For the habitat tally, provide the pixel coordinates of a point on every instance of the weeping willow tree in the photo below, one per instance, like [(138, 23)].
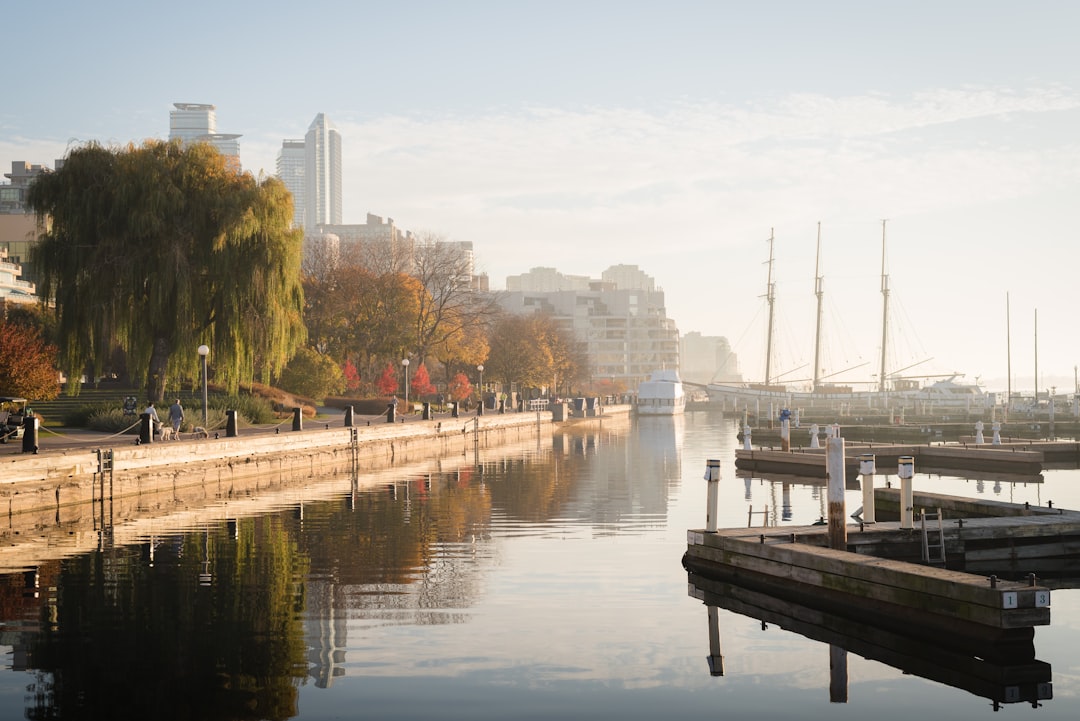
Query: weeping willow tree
[(161, 248)]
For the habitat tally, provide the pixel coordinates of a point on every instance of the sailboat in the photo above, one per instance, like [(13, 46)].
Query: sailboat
[(945, 394)]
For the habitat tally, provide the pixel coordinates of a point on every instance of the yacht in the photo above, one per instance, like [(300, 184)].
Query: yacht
[(661, 395)]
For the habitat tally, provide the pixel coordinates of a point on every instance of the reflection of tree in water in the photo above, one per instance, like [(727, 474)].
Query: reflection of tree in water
[(133, 639)]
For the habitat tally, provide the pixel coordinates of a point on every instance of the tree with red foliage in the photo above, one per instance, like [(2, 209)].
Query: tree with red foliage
[(352, 377), (388, 382), (421, 382), (27, 364), (460, 388)]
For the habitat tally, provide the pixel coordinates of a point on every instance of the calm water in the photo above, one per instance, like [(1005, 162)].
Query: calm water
[(542, 582)]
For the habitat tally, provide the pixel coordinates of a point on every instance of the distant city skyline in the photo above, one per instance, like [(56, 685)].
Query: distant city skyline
[(675, 137)]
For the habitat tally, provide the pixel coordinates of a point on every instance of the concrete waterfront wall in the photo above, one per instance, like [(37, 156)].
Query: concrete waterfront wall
[(57, 483)]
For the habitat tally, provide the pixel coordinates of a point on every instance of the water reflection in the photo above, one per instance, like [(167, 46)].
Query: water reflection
[(1004, 672)]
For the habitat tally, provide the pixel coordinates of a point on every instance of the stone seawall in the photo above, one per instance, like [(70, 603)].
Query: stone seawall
[(47, 484)]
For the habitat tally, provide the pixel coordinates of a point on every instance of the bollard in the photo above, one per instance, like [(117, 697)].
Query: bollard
[(814, 431), (230, 424), (997, 433), (297, 419), (348, 416), (502, 405), (785, 430), (746, 431), (834, 465), (30, 434), (390, 412), (480, 407), (712, 475), (978, 433), (426, 413), (906, 470), (866, 470), (453, 409), (146, 428)]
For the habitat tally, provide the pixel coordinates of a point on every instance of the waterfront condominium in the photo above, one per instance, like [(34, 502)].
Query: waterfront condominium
[(322, 174)]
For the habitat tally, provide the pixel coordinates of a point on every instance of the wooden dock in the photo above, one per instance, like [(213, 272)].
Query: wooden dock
[(880, 576), (1025, 457)]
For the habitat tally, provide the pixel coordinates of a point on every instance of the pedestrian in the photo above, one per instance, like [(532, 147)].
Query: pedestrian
[(155, 422), (176, 417)]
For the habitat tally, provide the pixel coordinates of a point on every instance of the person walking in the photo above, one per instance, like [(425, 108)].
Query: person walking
[(176, 417)]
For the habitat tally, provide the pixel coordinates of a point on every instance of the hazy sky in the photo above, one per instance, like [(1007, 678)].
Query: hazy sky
[(674, 136)]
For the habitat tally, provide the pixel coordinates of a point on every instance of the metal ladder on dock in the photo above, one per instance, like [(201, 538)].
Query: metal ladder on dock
[(932, 552)]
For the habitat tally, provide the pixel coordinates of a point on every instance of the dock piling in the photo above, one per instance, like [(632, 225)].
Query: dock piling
[(906, 470), (834, 450), (866, 470), (712, 475)]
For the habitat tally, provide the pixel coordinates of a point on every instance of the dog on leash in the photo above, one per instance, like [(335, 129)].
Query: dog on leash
[(168, 434), (199, 432)]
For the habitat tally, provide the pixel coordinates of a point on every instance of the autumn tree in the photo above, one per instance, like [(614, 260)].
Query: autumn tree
[(451, 308), (533, 351), (352, 378), (388, 382), (421, 382), (312, 375), (27, 363), (164, 247), (459, 388)]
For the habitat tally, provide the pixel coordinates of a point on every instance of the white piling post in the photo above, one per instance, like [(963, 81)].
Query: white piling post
[(746, 433), (814, 442), (785, 435), (798, 413), (867, 469), (712, 475), (997, 433), (834, 430), (979, 433), (834, 466), (906, 471)]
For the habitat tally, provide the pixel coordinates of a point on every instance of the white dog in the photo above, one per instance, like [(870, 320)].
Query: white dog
[(168, 434)]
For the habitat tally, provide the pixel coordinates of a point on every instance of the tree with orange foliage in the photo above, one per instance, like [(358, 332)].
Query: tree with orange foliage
[(421, 383), (388, 383), (460, 388), (27, 364)]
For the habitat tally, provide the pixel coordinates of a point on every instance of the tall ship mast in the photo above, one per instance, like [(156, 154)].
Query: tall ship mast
[(770, 298), (884, 310), (819, 291)]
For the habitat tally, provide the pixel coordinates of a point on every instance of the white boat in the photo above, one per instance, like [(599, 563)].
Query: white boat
[(661, 395)]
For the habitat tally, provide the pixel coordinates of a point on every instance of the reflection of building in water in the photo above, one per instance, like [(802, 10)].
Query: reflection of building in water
[(326, 633)]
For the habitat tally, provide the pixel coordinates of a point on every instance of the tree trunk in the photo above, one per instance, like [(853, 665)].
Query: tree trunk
[(155, 377)]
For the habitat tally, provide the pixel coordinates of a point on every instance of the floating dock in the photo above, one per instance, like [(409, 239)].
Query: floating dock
[(875, 579), (1022, 458)]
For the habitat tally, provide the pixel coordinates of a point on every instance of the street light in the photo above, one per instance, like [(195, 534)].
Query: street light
[(405, 365), (204, 351), (481, 369)]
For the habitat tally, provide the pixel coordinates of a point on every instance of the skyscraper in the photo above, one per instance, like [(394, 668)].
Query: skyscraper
[(290, 170), (197, 122), (322, 174)]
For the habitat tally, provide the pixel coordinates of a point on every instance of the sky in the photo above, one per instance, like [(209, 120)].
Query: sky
[(676, 136)]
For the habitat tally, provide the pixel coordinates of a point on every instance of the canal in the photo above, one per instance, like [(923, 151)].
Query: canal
[(539, 581)]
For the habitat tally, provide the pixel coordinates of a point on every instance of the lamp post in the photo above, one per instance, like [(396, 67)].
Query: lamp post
[(481, 389), (204, 351), (405, 365)]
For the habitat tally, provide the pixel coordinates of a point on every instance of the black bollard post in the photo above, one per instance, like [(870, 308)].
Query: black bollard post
[(297, 419), (427, 411), (348, 417), (390, 413), (146, 428), (502, 405), (30, 435), (230, 424), (480, 407), (453, 409)]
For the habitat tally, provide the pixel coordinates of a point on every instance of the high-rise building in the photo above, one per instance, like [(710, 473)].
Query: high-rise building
[(197, 122), (290, 170), (322, 174)]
